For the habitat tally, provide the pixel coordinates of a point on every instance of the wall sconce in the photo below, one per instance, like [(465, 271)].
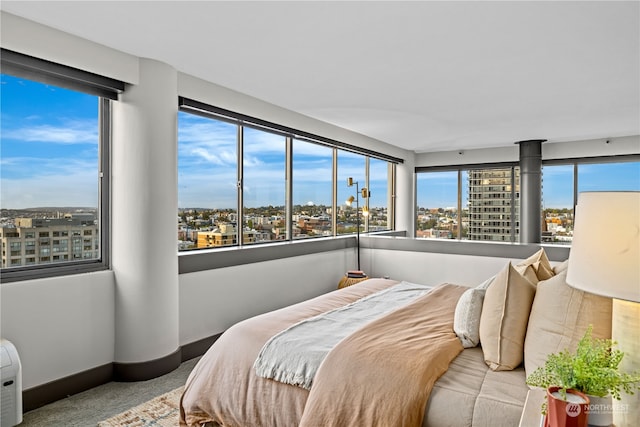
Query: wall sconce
[(365, 193)]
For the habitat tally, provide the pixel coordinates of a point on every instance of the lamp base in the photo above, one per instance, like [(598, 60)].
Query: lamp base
[(625, 329)]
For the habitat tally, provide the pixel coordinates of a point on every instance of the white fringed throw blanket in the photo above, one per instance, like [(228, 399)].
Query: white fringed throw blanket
[(294, 355)]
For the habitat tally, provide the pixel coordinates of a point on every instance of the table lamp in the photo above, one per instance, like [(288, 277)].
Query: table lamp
[(605, 260)]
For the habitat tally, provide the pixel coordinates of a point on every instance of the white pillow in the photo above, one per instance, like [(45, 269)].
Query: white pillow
[(466, 319)]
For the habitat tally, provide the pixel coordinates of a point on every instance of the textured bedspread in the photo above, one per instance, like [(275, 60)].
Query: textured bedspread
[(382, 374), (224, 388), (294, 355)]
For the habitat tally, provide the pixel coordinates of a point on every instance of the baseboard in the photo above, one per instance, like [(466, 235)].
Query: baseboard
[(50, 392), (44, 394), (143, 371), (198, 348)]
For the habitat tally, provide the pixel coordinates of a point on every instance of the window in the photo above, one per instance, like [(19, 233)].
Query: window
[(287, 192), (350, 165), (563, 181), (207, 182), (437, 201), (380, 195), (469, 204), (54, 145), (557, 203), (312, 190), (264, 191)]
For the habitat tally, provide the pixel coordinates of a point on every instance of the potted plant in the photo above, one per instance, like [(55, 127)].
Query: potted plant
[(592, 370)]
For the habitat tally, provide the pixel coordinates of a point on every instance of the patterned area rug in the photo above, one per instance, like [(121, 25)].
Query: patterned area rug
[(163, 411)]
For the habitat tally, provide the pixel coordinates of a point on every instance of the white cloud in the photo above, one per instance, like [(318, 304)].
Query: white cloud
[(73, 133)]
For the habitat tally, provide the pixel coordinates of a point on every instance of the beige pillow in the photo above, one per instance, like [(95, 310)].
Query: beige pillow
[(561, 267), (503, 323), (527, 271), (540, 264), (559, 317)]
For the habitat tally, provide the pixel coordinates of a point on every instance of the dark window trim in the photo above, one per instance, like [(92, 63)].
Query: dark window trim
[(622, 158), (214, 113), (206, 110), (44, 71), (39, 271), (461, 167)]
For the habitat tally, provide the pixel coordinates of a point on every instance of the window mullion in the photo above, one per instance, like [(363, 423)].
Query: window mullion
[(459, 204), (334, 193), (104, 180), (288, 209), (240, 183)]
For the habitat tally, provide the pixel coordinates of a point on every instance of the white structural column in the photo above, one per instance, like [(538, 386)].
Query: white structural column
[(144, 209), (405, 196)]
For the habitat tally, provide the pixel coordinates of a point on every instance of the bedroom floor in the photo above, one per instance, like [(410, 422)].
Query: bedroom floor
[(95, 405)]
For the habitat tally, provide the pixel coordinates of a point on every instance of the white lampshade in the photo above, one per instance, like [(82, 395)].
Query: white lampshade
[(605, 252)]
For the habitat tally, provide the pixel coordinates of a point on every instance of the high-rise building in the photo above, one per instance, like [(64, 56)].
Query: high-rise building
[(43, 241), (494, 194)]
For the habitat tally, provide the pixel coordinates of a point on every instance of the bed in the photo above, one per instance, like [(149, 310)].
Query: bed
[(378, 372), (453, 356)]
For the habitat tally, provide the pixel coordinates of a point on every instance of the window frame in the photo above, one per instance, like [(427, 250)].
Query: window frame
[(459, 169), (190, 106), (575, 162), (106, 90)]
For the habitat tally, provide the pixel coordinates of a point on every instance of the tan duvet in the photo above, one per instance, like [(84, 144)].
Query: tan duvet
[(380, 375)]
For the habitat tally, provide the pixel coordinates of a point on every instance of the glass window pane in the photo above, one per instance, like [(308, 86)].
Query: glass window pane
[(464, 205), (264, 189), (379, 171), (207, 182), (491, 214), (350, 165), (609, 177), (437, 200), (557, 204), (312, 190), (50, 145)]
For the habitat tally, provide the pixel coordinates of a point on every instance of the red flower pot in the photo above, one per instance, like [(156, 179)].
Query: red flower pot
[(573, 412)]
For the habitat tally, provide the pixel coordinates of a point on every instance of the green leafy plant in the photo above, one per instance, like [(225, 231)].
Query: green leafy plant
[(593, 369)]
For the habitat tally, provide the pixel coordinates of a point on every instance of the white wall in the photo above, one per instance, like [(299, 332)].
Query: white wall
[(28, 37), (431, 268), (211, 301), (61, 325)]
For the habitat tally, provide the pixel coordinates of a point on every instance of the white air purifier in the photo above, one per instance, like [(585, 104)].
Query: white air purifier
[(11, 384)]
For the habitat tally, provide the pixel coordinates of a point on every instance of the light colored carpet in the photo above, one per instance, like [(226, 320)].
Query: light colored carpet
[(162, 411), (88, 408)]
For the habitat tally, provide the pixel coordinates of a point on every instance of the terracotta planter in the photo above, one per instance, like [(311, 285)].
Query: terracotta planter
[(562, 413)]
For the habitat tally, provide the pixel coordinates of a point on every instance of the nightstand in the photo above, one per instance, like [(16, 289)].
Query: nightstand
[(531, 416), (348, 281)]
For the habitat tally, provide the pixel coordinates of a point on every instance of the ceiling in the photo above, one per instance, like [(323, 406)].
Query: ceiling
[(421, 75)]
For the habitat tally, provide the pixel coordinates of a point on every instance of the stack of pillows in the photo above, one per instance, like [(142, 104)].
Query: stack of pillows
[(526, 312)]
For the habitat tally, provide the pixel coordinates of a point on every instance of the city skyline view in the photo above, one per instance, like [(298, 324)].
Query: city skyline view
[(49, 157)]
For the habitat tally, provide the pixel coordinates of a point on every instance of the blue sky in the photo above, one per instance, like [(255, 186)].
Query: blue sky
[(207, 154), (49, 146), (439, 189), (49, 157)]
